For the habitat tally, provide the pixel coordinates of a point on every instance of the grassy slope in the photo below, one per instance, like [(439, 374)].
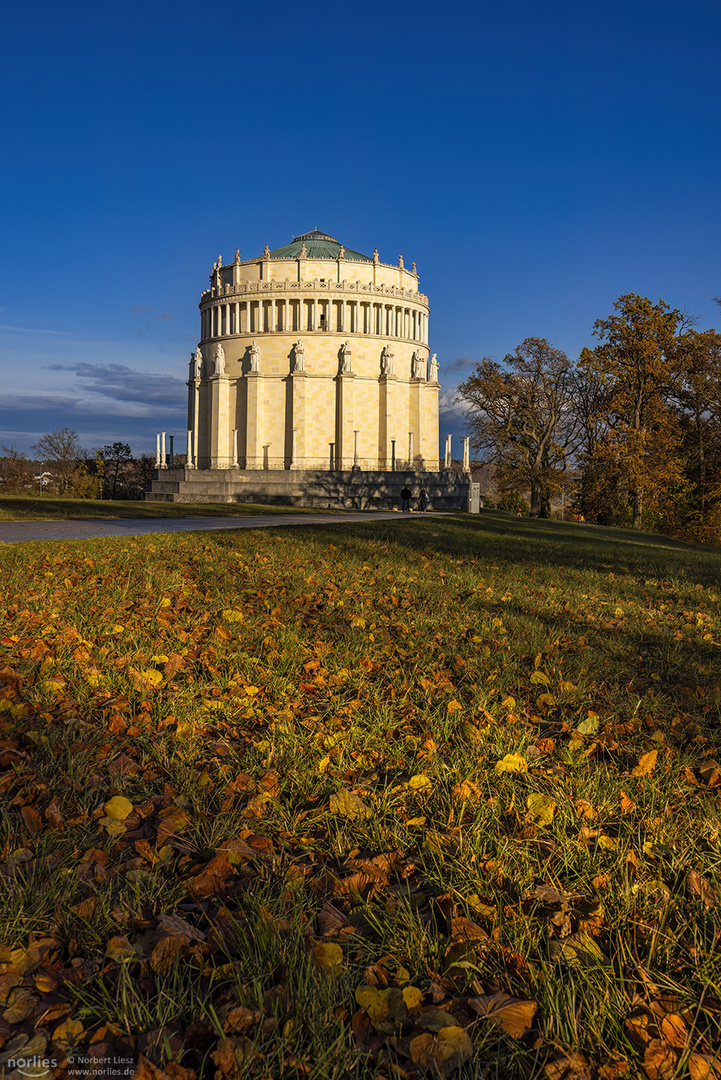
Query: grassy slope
[(27, 508), (307, 726)]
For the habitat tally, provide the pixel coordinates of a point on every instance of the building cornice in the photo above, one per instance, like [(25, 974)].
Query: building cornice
[(260, 288)]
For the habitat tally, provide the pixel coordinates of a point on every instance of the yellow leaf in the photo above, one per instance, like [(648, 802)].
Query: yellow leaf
[(412, 996), (541, 809), (539, 677), (232, 615), (328, 956), (67, 1034), (373, 1002), (152, 676), (453, 706), (420, 782), (443, 1053), (508, 703), (646, 764), (118, 807), (547, 699), (54, 686), (161, 658), (120, 949), (323, 763), (345, 804), (118, 629), (512, 763), (607, 842)]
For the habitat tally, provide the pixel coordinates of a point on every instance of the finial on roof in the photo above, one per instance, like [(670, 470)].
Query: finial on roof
[(237, 255), (375, 255), (220, 261), (400, 262), (414, 269)]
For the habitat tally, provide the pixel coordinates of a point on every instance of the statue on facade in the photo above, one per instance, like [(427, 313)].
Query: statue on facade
[(417, 366), (266, 252), (219, 360), (345, 358), (387, 360), (197, 361), (237, 255), (299, 356), (254, 357), (414, 271), (304, 251), (433, 372), (341, 252)]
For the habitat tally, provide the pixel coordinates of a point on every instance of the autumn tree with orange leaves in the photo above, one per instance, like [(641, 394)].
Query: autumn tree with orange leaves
[(638, 366)]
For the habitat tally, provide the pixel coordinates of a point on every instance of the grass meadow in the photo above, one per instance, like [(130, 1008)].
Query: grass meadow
[(423, 798)]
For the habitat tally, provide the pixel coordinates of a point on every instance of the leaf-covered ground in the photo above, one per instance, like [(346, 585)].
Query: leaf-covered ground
[(428, 798)]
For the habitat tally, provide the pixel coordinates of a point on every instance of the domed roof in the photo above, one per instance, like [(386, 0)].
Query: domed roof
[(318, 245)]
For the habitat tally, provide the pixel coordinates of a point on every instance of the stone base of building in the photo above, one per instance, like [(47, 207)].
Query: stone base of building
[(353, 490)]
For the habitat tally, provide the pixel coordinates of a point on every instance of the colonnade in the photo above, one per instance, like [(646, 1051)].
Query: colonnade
[(324, 315)]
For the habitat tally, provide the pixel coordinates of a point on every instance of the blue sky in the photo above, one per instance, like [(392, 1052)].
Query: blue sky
[(536, 160)]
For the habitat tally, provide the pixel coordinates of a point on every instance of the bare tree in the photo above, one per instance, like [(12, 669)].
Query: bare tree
[(61, 449)]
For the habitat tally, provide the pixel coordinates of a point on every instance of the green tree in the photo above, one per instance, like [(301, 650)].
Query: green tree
[(637, 368), (521, 418), (697, 399), (116, 456)]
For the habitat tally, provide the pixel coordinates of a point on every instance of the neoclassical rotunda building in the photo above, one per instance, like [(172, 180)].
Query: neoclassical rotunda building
[(313, 358)]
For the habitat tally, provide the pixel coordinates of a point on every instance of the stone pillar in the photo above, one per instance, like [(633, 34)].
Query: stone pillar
[(466, 454), (196, 421), (219, 386), (235, 449), (417, 414), (189, 464), (254, 389), (393, 455), (343, 316), (411, 464), (157, 451), (447, 463), (388, 391), (344, 420), (296, 420), (315, 314), (286, 318)]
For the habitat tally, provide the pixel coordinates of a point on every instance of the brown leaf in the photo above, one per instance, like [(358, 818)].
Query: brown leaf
[(167, 955), (176, 925), (511, 1015), (172, 820), (32, 819), (703, 1067), (627, 804), (659, 1061), (701, 889), (240, 1018), (570, 1066), (123, 765), (674, 1030)]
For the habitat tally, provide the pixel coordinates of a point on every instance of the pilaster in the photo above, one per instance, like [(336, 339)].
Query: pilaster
[(254, 422), (220, 451), (344, 438), (416, 415), (389, 411), (296, 444)]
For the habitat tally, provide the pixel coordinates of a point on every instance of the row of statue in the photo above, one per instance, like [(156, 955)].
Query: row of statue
[(418, 361)]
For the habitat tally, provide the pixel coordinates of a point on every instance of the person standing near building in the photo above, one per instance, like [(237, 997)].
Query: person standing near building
[(423, 500), (406, 495)]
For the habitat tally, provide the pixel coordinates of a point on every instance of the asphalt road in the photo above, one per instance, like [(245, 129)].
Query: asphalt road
[(14, 532)]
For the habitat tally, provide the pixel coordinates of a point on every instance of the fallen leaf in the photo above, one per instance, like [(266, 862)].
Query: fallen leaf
[(443, 1054), (659, 1061), (646, 764), (701, 889), (511, 1015), (512, 763), (345, 804), (118, 808), (328, 957), (541, 809)]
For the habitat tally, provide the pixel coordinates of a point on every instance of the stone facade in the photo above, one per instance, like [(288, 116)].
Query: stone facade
[(304, 381)]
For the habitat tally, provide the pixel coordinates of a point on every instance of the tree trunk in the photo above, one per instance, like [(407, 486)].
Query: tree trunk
[(637, 508), (535, 499)]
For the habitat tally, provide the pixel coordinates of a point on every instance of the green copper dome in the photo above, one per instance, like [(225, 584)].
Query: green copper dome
[(318, 245)]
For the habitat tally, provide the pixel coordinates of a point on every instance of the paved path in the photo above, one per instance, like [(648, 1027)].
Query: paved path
[(13, 532)]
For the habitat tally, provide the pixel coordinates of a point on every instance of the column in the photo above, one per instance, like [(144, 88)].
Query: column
[(254, 419), (157, 451), (417, 415), (315, 314), (189, 452), (329, 315), (296, 426), (219, 386), (466, 453), (447, 462), (163, 463), (343, 319), (344, 420), (389, 391), (196, 422), (286, 317), (411, 464), (246, 305)]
